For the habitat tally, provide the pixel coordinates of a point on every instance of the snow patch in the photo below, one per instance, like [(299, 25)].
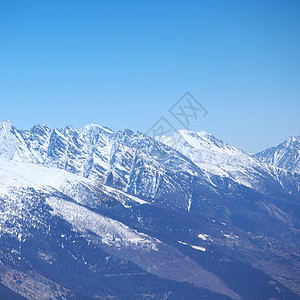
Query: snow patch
[(198, 248), (111, 232)]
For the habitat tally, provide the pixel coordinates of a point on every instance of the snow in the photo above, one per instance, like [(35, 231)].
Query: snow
[(135, 199), (193, 246), (198, 248), (231, 236), (85, 151), (16, 175), (216, 157), (285, 156), (95, 126), (205, 237), (111, 232), (202, 237), (26, 175), (183, 243), (98, 156)]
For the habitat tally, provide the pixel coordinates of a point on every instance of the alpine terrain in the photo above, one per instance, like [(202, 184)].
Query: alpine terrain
[(97, 214)]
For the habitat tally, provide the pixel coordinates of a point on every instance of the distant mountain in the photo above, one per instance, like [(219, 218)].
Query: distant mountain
[(97, 214), (217, 158), (286, 155)]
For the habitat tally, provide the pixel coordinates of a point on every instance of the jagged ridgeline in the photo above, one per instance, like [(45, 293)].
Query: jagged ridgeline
[(93, 213)]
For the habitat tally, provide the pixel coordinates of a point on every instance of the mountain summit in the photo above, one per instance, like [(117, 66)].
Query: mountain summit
[(286, 155)]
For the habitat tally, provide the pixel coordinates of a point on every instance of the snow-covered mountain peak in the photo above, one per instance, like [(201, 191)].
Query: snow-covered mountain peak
[(205, 141), (5, 124), (95, 127), (201, 138), (5, 129), (286, 155), (40, 128), (200, 134), (216, 157), (124, 158), (291, 140)]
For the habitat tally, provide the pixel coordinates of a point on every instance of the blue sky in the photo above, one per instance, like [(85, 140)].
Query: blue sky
[(123, 64)]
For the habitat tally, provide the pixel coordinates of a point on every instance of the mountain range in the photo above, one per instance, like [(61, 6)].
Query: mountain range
[(97, 214)]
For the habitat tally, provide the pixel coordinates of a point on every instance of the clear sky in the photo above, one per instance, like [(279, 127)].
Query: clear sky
[(123, 64)]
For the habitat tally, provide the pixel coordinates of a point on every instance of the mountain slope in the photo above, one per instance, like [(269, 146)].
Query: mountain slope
[(90, 213), (32, 200), (53, 232), (286, 155), (84, 152), (217, 158)]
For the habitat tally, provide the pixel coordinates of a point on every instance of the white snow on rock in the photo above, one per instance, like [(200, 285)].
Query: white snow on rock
[(198, 248), (16, 175), (216, 157), (213, 155), (115, 191), (193, 246), (205, 237), (25, 175), (286, 155), (112, 232)]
